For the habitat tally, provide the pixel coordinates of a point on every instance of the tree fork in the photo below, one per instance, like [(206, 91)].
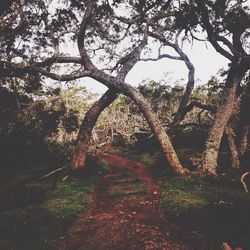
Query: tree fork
[(121, 86)]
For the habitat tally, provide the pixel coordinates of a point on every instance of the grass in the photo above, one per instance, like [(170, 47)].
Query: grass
[(217, 208), (70, 198), (45, 211), (122, 190), (186, 193), (183, 191)]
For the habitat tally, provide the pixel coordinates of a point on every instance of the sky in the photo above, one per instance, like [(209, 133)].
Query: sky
[(206, 60)]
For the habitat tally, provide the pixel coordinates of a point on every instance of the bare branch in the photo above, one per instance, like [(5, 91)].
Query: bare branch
[(197, 104), (243, 181), (86, 61), (210, 31), (128, 61), (162, 56), (58, 59), (65, 77), (229, 45)]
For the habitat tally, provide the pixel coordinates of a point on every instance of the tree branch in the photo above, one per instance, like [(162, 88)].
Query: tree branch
[(86, 61), (210, 31), (58, 59), (128, 61)]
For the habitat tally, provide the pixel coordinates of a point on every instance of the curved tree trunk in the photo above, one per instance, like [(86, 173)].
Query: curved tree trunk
[(157, 129), (181, 112), (93, 114), (84, 135), (223, 114), (235, 163), (118, 83)]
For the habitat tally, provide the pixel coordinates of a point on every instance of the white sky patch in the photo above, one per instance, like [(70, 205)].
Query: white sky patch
[(206, 60)]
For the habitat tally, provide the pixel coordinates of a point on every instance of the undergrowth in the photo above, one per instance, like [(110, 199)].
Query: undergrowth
[(40, 211)]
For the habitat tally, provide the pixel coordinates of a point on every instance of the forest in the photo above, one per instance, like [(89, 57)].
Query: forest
[(164, 164)]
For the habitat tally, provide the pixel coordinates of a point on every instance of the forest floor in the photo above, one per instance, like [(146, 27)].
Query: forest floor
[(126, 202), (126, 214)]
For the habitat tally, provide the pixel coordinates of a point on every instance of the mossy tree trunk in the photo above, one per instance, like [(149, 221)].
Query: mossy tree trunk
[(159, 132)]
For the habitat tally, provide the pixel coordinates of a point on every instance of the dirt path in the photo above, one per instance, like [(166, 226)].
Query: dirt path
[(126, 214)]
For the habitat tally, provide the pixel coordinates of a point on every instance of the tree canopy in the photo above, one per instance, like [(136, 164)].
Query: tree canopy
[(105, 39)]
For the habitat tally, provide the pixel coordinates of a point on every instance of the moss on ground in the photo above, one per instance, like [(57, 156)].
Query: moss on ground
[(40, 211), (71, 197), (181, 194), (217, 208), (122, 190)]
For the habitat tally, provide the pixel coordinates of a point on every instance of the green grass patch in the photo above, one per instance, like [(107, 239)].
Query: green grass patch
[(182, 195), (40, 211), (70, 197), (124, 189)]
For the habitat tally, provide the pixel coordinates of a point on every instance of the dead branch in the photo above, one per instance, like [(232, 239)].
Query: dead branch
[(243, 182), (53, 172)]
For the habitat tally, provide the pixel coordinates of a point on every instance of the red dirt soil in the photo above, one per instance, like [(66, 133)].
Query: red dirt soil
[(125, 216)]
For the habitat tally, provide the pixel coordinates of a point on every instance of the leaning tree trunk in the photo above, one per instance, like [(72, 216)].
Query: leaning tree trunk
[(223, 114), (157, 129), (235, 163), (153, 121), (120, 86), (180, 114), (84, 135)]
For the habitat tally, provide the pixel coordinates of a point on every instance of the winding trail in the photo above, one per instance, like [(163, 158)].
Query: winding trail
[(126, 214)]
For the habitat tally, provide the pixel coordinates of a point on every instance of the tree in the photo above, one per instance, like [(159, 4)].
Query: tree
[(87, 126), (244, 120), (219, 19), (94, 19), (111, 43)]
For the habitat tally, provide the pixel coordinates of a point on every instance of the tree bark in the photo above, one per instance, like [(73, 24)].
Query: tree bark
[(180, 114), (84, 135), (157, 129), (244, 132), (223, 114), (244, 123), (118, 83), (235, 163)]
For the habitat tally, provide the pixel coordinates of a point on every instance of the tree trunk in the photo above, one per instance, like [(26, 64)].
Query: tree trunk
[(158, 131), (244, 132), (148, 113), (224, 111), (181, 112), (244, 125), (84, 136), (235, 163)]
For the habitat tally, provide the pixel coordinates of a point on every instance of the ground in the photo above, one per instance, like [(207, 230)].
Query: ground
[(122, 204), (126, 213)]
